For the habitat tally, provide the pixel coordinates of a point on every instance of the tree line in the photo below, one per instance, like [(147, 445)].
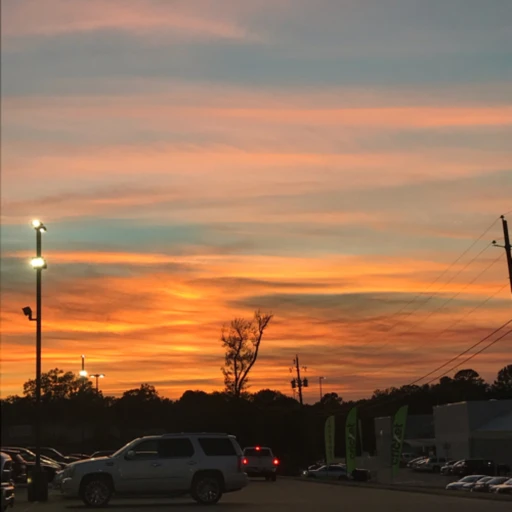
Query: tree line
[(266, 417)]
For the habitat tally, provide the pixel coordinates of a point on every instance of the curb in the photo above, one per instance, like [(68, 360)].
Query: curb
[(406, 488)]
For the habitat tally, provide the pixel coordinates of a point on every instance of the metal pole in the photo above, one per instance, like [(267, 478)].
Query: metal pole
[(299, 381), (508, 248), (97, 379), (38, 354), (320, 382)]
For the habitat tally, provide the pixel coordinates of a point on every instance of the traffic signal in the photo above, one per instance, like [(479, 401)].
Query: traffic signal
[(305, 383), (293, 384)]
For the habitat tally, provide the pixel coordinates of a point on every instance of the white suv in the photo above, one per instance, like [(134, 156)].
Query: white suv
[(203, 465)]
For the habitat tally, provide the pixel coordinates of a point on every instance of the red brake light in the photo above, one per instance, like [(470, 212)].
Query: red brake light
[(258, 448), (276, 462), (244, 461)]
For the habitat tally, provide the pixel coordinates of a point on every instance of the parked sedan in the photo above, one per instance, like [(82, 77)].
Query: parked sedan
[(19, 466), (412, 462), (6, 488), (469, 486), (487, 486), (448, 467), (49, 466), (458, 486), (55, 455), (430, 465), (504, 488), (330, 472)]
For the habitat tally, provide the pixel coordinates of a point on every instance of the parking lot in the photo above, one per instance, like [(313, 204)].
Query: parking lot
[(287, 495)]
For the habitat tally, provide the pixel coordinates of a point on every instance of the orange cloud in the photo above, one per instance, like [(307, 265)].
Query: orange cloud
[(166, 324), (139, 17)]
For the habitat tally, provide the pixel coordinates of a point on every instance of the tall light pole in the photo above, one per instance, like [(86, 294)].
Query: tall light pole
[(83, 371), (320, 379), (97, 376), (38, 487)]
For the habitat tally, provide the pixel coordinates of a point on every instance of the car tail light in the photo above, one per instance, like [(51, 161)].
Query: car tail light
[(276, 462), (242, 461)]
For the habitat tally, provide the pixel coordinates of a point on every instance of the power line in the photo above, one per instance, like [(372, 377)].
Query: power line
[(461, 354), (400, 320), (392, 399), (456, 294), (437, 335), (473, 355), (421, 322)]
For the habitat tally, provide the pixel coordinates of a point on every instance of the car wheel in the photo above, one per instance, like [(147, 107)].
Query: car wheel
[(96, 493), (273, 478), (207, 490)]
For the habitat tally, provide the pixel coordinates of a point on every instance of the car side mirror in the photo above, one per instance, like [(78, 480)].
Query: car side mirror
[(130, 455)]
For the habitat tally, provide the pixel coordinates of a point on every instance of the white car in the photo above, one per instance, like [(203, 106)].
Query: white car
[(430, 465), (330, 472), (260, 461), (459, 485), (202, 465)]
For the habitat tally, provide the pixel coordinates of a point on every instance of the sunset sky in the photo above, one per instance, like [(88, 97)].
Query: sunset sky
[(195, 160)]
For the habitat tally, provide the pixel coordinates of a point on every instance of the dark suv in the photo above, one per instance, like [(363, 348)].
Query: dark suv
[(474, 467)]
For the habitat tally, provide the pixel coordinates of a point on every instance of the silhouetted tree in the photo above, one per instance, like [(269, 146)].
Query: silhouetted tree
[(242, 343), (57, 385), (145, 393), (503, 383), (469, 376), (331, 400)]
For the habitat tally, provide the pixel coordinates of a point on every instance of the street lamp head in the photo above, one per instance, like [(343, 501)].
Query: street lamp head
[(38, 263), (38, 225), (27, 311), (102, 375), (83, 373)]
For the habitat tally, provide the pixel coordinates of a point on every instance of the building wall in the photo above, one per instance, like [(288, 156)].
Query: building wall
[(480, 413), (452, 431), (456, 425)]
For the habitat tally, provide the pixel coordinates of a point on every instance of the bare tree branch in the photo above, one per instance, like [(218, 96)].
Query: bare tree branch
[(242, 342)]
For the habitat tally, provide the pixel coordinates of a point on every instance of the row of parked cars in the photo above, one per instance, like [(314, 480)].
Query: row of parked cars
[(336, 471), (482, 483), (52, 461), (202, 465), (464, 467)]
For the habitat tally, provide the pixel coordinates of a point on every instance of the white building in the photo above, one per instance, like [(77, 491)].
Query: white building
[(478, 430)]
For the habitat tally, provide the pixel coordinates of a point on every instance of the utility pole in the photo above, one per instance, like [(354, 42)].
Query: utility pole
[(298, 382), (507, 248), (320, 379)]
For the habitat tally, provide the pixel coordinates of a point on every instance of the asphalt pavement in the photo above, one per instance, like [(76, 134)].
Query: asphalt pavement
[(288, 495)]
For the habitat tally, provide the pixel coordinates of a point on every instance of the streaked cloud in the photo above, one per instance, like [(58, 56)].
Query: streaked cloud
[(194, 162)]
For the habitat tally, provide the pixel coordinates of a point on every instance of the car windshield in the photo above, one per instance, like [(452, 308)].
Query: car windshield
[(471, 478), (123, 448)]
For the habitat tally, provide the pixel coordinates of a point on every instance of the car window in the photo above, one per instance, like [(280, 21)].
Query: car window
[(147, 449), (217, 446), (176, 447)]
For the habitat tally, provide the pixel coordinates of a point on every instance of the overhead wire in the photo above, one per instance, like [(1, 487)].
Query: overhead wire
[(472, 356), (447, 269), (412, 383), (438, 334)]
